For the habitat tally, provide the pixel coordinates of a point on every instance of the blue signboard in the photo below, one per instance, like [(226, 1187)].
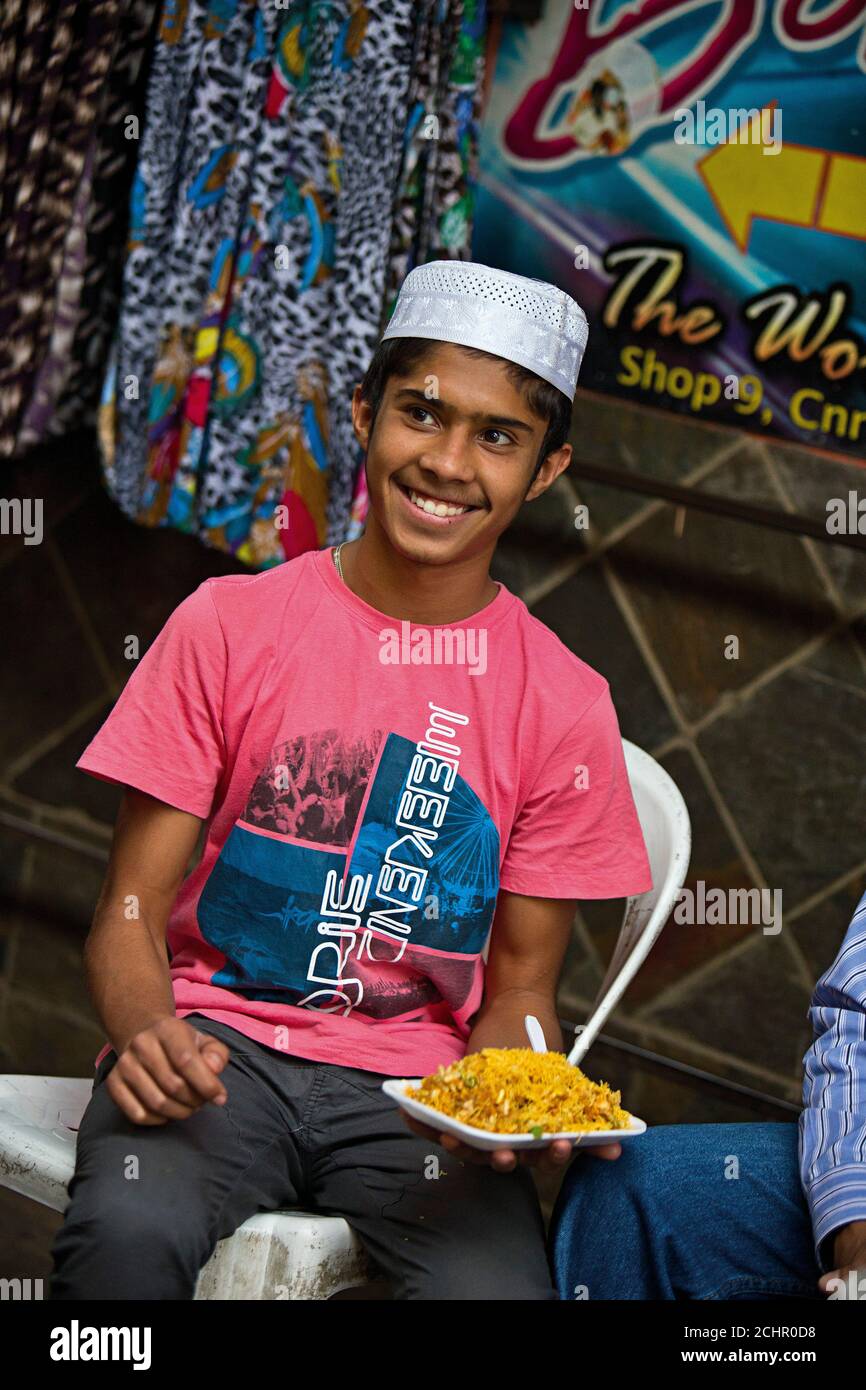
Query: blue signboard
[(694, 174)]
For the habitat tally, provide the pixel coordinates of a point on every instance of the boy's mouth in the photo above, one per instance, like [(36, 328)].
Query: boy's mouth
[(430, 505)]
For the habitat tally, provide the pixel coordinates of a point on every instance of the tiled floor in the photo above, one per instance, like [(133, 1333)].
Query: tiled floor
[(768, 748)]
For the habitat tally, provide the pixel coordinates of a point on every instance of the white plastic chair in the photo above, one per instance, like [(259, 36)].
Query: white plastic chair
[(667, 832), (273, 1255), (300, 1255)]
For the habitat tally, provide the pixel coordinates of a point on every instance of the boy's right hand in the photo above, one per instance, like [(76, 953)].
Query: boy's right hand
[(167, 1072)]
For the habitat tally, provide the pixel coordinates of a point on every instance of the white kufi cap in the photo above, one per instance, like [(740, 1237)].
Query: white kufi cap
[(527, 321)]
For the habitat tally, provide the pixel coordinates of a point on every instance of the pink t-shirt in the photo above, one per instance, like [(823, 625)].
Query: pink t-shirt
[(370, 786)]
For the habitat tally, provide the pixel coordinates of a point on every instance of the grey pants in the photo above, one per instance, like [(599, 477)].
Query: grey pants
[(293, 1133)]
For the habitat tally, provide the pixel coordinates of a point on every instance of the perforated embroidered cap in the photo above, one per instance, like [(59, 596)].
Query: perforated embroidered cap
[(527, 321)]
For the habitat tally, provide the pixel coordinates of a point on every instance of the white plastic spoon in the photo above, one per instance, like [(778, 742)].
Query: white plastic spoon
[(535, 1033)]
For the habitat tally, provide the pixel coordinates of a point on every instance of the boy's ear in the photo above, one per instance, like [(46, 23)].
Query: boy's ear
[(555, 463), (362, 417)]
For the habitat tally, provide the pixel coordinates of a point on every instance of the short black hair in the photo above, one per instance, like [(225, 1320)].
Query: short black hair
[(399, 357)]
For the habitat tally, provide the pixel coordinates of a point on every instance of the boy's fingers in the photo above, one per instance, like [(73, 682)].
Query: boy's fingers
[(215, 1059), (502, 1160), (464, 1152), (447, 1141), (150, 1052), (128, 1102), (559, 1153), (147, 1092), (417, 1127), (450, 1142), (606, 1151), (215, 1052), (190, 1064)]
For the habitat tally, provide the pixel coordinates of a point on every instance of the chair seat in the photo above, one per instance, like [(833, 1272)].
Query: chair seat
[(285, 1255), (275, 1254), (39, 1117)]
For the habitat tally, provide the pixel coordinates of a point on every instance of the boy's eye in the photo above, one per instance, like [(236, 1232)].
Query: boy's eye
[(415, 410)]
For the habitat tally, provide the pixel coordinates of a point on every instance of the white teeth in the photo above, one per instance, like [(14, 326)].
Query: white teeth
[(426, 504)]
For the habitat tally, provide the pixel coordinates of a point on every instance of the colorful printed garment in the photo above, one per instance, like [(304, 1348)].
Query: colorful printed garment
[(70, 77), (295, 163)]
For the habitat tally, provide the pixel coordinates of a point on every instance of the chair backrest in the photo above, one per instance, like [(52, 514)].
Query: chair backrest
[(667, 833), (664, 820)]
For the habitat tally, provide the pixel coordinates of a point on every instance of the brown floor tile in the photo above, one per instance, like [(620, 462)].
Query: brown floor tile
[(43, 1041), (130, 578), (49, 964), (744, 477), (580, 979), (61, 888), (584, 615), (523, 566), (682, 947), (48, 670), (717, 579), (12, 850), (630, 438), (28, 1231), (812, 480), (789, 766), (751, 1007), (59, 475), (55, 781), (549, 518), (820, 932)]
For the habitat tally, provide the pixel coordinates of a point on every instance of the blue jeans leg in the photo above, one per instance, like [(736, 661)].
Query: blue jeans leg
[(687, 1212)]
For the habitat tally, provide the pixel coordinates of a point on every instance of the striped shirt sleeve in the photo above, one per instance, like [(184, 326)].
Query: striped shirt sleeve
[(833, 1122)]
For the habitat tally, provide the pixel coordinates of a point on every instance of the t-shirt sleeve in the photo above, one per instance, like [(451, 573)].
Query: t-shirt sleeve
[(577, 834), (164, 735)]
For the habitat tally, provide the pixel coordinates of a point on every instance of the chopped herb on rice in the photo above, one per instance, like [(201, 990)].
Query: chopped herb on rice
[(513, 1090)]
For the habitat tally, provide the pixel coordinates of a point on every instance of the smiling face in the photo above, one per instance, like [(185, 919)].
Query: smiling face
[(451, 455)]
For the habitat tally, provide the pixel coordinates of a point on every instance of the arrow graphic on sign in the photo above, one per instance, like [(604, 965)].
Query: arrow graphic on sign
[(801, 186)]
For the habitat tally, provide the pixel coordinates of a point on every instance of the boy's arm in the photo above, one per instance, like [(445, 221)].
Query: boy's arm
[(528, 943), (127, 967), (125, 953)]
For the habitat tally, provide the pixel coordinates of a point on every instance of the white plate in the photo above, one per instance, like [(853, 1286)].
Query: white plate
[(485, 1138)]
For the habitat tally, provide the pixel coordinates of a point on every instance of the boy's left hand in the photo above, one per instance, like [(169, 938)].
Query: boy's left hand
[(555, 1156)]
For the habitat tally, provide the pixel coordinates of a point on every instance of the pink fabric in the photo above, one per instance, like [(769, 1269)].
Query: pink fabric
[(365, 812)]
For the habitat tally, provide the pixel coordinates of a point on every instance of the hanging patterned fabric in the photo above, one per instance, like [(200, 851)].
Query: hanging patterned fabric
[(48, 386), (60, 65), (434, 203), (289, 174), (113, 159)]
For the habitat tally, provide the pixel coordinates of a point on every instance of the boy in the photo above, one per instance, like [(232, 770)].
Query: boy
[(395, 762)]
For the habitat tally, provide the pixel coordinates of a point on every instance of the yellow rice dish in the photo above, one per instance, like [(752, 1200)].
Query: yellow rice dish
[(513, 1090)]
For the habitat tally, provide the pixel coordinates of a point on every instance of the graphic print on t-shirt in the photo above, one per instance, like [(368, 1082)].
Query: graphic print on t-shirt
[(361, 877), (313, 788)]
